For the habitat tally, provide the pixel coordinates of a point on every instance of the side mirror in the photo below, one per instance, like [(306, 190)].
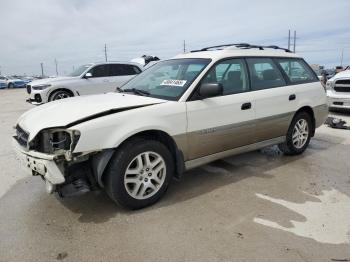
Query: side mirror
[(88, 75), (210, 90)]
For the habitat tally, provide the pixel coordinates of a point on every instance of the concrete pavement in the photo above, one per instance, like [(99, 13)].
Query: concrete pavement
[(259, 206)]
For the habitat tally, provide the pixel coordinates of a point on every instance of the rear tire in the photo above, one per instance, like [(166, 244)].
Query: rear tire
[(139, 173), (60, 94), (11, 85), (298, 135)]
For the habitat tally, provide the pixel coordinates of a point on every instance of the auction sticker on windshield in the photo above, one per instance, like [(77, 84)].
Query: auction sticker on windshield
[(173, 82)]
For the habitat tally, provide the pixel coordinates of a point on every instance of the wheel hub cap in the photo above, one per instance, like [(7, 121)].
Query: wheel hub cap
[(300, 133), (145, 175)]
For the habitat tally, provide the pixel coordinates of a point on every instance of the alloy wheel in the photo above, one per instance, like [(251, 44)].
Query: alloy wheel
[(61, 96), (145, 175), (300, 133)]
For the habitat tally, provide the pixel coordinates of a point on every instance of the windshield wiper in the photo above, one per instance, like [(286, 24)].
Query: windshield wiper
[(135, 91)]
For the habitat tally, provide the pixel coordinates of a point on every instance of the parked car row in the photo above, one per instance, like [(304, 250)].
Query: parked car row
[(176, 115), (13, 82)]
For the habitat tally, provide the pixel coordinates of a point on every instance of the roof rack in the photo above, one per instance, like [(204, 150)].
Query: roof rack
[(242, 46)]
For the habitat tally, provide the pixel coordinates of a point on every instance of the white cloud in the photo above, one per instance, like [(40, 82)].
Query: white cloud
[(74, 32)]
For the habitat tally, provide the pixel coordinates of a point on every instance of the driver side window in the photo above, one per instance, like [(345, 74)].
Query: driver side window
[(232, 74)]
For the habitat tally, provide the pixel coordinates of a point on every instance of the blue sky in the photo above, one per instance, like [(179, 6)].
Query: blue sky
[(75, 31)]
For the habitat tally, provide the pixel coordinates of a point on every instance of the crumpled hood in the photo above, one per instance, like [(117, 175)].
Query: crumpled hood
[(52, 80), (61, 113)]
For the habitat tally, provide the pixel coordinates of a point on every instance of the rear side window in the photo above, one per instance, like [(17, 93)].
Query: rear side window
[(264, 74), (231, 74), (123, 70), (296, 70)]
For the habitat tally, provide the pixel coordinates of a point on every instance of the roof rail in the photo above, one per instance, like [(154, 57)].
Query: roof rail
[(242, 46)]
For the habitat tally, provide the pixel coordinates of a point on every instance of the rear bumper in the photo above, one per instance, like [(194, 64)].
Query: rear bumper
[(39, 164), (338, 100)]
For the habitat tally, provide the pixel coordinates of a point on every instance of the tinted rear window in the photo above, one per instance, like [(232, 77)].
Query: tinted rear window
[(264, 74)]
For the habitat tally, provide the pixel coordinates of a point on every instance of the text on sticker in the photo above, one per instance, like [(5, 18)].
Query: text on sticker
[(173, 82)]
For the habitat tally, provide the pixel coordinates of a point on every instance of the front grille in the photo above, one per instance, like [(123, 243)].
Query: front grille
[(342, 85), (21, 136), (29, 89)]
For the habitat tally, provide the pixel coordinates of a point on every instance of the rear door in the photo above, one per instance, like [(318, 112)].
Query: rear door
[(275, 101), (224, 122), (120, 74)]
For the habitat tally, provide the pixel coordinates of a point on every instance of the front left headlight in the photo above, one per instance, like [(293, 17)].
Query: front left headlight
[(53, 141), (329, 85), (41, 87)]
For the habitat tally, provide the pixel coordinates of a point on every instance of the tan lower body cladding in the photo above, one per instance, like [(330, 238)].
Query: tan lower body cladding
[(214, 140)]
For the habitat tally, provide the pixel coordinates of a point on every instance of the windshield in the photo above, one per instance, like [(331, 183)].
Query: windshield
[(79, 70), (168, 79)]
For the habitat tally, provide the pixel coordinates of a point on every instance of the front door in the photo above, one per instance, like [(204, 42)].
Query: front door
[(225, 122), (100, 82)]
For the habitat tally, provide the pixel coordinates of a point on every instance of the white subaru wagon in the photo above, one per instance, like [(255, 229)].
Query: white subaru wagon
[(93, 78), (178, 114)]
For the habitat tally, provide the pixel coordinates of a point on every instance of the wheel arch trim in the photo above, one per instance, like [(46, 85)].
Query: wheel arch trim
[(101, 160), (51, 92)]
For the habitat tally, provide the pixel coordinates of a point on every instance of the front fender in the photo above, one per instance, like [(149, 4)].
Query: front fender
[(111, 130)]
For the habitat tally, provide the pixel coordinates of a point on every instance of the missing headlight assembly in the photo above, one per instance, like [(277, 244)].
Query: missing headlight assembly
[(55, 141)]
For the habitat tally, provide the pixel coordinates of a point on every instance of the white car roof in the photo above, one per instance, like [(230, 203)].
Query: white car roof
[(115, 62), (232, 52)]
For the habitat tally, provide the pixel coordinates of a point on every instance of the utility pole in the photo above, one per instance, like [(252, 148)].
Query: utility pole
[(295, 39), (289, 39), (56, 67), (106, 52), (0, 70), (42, 69), (184, 46), (341, 58)]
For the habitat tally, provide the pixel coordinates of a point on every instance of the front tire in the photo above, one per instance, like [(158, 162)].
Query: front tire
[(60, 94), (11, 85), (298, 135), (139, 173)]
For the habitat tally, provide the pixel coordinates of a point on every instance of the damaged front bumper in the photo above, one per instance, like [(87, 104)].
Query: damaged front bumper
[(67, 178), (36, 163)]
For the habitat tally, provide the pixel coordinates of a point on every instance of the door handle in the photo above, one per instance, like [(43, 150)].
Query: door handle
[(105, 80), (246, 106), (292, 97)]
